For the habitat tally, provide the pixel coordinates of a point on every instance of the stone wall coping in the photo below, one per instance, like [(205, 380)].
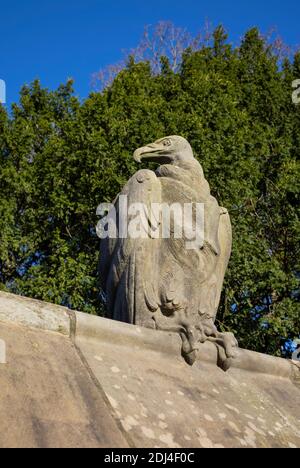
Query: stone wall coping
[(79, 326)]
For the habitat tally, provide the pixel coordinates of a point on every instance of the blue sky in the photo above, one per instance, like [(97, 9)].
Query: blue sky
[(54, 40)]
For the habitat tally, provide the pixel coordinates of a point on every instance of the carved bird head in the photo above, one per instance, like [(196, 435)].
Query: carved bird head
[(168, 150)]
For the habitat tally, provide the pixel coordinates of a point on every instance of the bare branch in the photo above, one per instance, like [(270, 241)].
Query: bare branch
[(161, 40)]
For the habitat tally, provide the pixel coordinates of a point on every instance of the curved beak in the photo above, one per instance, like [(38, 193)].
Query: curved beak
[(154, 152), (146, 152)]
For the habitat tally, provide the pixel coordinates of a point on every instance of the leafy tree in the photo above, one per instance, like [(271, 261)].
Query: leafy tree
[(60, 158)]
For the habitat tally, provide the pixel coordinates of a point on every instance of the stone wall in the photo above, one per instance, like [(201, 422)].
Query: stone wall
[(73, 380)]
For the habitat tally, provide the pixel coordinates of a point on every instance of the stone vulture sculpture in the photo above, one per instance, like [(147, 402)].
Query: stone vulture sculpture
[(159, 281)]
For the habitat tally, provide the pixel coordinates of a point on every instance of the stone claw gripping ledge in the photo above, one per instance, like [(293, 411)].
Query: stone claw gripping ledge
[(193, 336)]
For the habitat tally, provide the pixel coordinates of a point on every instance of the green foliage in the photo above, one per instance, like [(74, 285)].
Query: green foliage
[(60, 158)]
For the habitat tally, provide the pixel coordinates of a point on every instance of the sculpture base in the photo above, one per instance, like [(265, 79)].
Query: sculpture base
[(95, 382)]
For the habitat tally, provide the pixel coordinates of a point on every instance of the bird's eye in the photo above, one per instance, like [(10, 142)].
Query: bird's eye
[(167, 142)]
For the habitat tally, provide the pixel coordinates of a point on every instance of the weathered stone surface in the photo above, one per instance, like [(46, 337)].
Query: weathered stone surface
[(164, 282), (162, 402), (115, 384), (36, 314), (48, 398)]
